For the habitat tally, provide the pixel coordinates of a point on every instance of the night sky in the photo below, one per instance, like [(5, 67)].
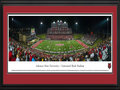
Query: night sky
[(86, 24)]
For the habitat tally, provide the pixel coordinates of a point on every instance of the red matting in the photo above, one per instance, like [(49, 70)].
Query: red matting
[(60, 78)]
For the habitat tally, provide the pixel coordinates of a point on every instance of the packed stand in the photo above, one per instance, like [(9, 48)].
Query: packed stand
[(89, 39)]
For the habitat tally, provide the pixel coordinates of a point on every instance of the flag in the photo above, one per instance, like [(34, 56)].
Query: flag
[(91, 33)]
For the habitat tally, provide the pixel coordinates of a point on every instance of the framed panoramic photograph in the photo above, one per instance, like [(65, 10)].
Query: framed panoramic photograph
[(60, 45)]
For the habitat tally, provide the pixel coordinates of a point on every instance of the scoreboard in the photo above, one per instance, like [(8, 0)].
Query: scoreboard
[(32, 31)]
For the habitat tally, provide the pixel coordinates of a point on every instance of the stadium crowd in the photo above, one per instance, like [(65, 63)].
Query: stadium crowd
[(18, 52), (89, 39)]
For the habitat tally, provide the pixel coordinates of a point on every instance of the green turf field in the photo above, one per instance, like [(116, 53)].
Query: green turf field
[(77, 36), (42, 36), (52, 45)]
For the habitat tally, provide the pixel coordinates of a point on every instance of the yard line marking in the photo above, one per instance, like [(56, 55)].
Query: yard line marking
[(81, 43), (37, 43)]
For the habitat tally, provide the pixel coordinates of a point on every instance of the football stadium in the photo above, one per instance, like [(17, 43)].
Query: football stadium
[(60, 38)]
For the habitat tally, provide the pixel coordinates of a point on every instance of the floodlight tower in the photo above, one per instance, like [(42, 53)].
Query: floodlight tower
[(41, 24), (76, 24), (107, 26), (12, 19)]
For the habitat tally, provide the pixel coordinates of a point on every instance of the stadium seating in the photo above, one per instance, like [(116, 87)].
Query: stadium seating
[(59, 32), (89, 39)]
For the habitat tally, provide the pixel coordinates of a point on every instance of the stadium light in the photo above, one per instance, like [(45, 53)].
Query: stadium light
[(76, 23), (107, 26), (41, 23), (12, 19), (54, 22), (107, 19), (65, 22)]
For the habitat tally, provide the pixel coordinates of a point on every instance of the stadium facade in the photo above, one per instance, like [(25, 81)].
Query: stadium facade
[(59, 31)]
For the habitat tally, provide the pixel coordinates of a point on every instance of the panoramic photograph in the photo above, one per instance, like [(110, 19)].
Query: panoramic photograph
[(59, 38)]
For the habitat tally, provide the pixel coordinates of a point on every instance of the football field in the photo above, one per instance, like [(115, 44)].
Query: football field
[(59, 46)]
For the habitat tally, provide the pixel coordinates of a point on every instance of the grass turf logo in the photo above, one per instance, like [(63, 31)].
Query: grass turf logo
[(59, 44)]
